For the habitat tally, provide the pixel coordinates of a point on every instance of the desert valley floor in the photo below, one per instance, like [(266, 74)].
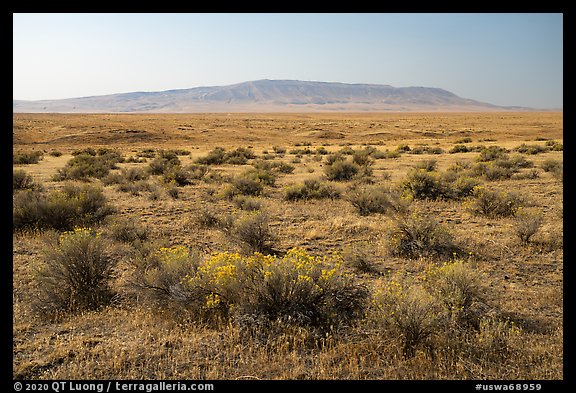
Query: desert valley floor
[(436, 239)]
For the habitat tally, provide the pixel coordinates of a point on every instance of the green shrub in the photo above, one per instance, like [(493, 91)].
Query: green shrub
[(531, 149), (415, 236), (492, 171), (427, 165), (55, 153), (147, 153), (346, 150), (177, 176), (428, 318), (77, 273), (214, 157), (403, 148), (492, 153), (311, 189), (462, 186), (247, 203), (459, 149), (296, 289), (284, 167), (61, 210), (23, 158), (333, 157), (157, 279), (518, 161), (362, 157), (555, 146), (179, 152), (161, 164), (426, 149), (493, 203), (130, 175), (273, 167), (22, 180), (87, 151), (551, 165), (264, 176), (341, 170), (369, 200), (279, 149), (555, 167), (83, 166), (459, 167), (244, 186), (135, 188), (421, 184), (239, 156), (206, 218)]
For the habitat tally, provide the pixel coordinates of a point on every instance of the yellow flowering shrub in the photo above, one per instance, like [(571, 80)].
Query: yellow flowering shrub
[(297, 287)]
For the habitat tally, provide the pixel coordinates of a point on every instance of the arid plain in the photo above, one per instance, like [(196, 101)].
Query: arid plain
[(446, 228)]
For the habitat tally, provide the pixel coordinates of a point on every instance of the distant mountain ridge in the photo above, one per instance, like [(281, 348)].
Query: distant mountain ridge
[(267, 96)]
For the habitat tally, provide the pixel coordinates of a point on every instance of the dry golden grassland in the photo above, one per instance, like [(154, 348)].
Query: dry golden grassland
[(475, 300)]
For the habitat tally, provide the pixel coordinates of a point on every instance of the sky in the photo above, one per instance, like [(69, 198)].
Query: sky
[(499, 58)]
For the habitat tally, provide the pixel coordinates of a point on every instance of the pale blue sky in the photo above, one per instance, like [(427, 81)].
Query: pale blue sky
[(503, 59)]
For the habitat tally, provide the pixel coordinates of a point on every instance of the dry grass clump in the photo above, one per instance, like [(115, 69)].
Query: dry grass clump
[(276, 166), (460, 290), (410, 312), (253, 232), (128, 230), (442, 310), (359, 257), (526, 223)]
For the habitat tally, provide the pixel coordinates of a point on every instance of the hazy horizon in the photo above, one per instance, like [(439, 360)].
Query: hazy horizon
[(502, 59)]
